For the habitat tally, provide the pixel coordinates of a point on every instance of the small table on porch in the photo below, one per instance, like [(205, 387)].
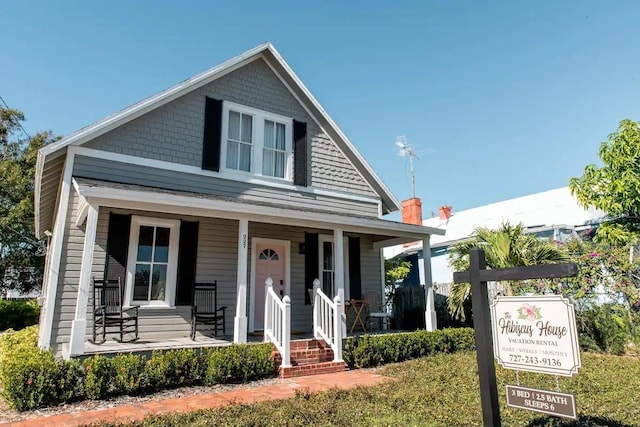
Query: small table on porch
[(356, 314)]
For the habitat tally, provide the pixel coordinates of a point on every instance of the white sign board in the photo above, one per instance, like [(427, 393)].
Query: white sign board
[(536, 334)]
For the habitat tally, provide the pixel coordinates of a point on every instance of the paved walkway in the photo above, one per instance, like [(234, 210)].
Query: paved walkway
[(282, 390)]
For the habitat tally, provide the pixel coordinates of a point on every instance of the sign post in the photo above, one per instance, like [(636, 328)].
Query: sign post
[(478, 276)]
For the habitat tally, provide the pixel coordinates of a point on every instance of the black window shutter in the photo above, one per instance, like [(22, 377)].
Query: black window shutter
[(187, 258), (117, 247), (311, 267), (299, 153), (212, 134), (355, 278)]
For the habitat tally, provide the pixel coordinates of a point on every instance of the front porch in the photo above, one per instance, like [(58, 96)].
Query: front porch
[(130, 233)]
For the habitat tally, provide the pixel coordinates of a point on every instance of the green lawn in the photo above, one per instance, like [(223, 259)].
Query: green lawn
[(441, 391)]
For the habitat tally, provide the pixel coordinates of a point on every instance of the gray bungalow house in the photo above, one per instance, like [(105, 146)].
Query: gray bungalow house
[(235, 175)]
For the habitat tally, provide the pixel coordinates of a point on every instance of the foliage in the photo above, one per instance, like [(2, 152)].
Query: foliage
[(605, 328), (39, 379), (603, 268), (21, 254), (441, 390), (18, 314), (615, 187), (99, 375), (506, 246), (395, 271), (172, 369), (31, 377), (374, 350), (13, 343), (240, 363)]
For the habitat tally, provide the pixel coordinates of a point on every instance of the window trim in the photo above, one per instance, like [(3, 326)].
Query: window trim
[(257, 143), (172, 262)]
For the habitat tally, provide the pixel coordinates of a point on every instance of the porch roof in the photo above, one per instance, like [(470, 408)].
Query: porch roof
[(131, 196)]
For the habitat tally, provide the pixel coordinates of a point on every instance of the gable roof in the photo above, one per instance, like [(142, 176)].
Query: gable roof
[(275, 61)]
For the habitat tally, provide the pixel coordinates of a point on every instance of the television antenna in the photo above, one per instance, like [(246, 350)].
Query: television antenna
[(407, 151)]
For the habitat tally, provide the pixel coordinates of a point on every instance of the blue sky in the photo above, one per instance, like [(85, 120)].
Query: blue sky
[(503, 99)]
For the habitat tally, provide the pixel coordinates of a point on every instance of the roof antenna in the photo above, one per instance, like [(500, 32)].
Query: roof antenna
[(406, 150)]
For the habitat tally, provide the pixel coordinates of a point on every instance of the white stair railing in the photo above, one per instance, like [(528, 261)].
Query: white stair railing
[(327, 320), (277, 322)]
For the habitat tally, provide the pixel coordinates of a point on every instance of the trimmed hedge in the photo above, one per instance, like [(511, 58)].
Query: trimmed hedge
[(374, 350), (31, 378), (18, 314)]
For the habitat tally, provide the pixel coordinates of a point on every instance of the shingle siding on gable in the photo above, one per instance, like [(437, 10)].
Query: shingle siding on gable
[(174, 132)]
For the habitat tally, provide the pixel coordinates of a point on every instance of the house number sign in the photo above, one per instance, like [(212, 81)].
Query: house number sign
[(536, 334), (244, 241)]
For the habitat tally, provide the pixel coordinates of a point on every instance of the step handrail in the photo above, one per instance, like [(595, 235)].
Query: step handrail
[(327, 320), (277, 322)]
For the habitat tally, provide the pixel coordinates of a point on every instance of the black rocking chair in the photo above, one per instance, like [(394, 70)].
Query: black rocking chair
[(108, 310), (205, 310)]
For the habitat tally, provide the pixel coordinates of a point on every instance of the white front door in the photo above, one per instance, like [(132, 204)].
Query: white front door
[(269, 262)]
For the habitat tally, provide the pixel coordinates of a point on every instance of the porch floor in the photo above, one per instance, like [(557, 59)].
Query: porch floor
[(149, 345), (111, 346)]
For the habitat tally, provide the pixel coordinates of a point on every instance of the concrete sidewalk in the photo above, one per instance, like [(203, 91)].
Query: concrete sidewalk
[(283, 390)]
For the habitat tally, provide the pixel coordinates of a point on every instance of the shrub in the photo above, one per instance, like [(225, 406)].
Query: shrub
[(13, 344), (374, 350), (18, 314), (34, 379), (98, 377), (172, 369), (605, 328), (240, 363), (129, 372)]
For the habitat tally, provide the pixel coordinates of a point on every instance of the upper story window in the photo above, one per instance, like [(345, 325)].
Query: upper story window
[(256, 142)]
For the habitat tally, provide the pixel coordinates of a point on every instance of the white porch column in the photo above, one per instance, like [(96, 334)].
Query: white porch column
[(79, 323), (240, 321), (338, 257), (430, 312)]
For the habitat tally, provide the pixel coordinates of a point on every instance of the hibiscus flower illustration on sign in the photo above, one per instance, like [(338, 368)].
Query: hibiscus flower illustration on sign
[(529, 312)]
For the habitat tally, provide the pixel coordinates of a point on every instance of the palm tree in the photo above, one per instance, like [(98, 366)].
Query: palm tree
[(507, 246)]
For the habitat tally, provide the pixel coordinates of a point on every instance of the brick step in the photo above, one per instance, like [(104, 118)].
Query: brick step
[(309, 357), (312, 369), (306, 357)]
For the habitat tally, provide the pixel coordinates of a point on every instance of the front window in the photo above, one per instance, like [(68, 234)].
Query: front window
[(152, 264), (257, 142)]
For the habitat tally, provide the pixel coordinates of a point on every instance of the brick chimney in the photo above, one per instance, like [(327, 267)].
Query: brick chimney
[(412, 211), (445, 212)]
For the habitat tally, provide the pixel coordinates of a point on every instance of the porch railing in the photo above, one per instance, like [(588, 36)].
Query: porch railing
[(327, 320), (277, 322)]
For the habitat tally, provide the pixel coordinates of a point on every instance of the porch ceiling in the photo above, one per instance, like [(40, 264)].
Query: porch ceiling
[(130, 196)]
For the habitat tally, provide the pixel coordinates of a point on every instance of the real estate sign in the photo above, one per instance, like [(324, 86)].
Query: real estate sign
[(536, 334)]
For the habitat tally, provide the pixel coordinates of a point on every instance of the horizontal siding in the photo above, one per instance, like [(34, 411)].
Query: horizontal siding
[(174, 132), (88, 167), (370, 267)]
